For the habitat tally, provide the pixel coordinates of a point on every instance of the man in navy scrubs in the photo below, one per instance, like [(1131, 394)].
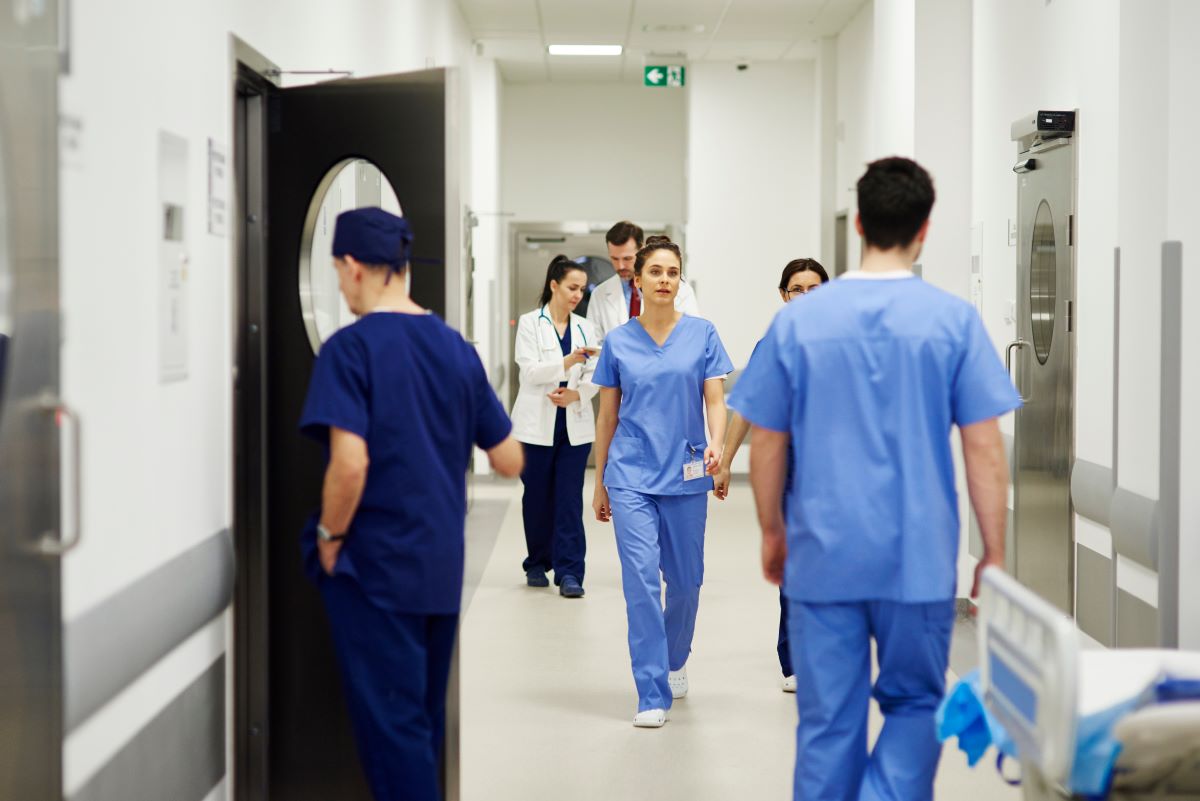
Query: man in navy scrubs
[(399, 400), (867, 381)]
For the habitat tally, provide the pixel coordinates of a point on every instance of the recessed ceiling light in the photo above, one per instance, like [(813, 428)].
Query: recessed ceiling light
[(668, 28), (584, 50)]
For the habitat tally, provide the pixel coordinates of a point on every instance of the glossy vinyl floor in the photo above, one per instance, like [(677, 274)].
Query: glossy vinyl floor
[(548, 697)]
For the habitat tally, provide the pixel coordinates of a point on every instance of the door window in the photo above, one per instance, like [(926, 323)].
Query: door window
[(352, 184), (1043, 282)]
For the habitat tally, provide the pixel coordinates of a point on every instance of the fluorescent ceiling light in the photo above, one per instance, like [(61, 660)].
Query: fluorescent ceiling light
[(670, 28), (584, 50)]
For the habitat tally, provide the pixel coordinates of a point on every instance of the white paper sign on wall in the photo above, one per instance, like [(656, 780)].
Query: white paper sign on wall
[(172, 258), (218, 189)]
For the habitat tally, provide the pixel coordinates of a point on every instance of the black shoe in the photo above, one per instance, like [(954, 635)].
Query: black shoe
[(536, 578), (570, 587)]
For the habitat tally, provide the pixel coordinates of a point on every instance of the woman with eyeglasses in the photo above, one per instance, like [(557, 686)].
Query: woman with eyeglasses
[(800, 277), (552, 416)]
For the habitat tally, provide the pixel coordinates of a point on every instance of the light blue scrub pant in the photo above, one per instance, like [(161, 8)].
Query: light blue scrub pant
[(659, 532), (831, 653)]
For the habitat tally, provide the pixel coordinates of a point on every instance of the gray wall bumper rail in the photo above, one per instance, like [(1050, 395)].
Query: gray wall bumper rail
[(110, 646)]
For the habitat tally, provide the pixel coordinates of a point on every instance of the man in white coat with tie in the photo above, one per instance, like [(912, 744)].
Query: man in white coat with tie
[(617, 299)]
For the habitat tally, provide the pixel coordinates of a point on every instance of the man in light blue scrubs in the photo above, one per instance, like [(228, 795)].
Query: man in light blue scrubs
[(867, 382)]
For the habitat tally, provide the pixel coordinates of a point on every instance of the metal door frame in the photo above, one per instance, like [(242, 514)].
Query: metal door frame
[(32, 416), (252, 83), (1072, 350)]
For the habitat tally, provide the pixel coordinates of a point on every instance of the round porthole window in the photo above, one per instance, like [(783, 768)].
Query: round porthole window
[(352, 184), (1043, 282)]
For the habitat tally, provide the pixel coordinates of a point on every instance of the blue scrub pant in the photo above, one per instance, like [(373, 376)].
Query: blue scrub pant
[(831, 651), (552, 506), (659, 532), (395, 669)]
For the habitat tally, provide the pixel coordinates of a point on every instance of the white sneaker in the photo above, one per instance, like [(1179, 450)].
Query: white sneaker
[(650, 719), (789, 684), (677, 680)]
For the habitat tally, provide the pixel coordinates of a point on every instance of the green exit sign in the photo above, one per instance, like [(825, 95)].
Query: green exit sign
[(663, 75)]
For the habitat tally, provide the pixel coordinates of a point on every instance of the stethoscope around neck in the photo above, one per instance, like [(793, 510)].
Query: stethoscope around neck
[(543, 316)]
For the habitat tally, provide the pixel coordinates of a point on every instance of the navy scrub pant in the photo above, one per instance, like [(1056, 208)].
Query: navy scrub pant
[(552, 506), (782, 645), (395, 669), (831, 651)]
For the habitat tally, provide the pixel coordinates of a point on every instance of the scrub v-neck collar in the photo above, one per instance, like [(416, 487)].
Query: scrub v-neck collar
[(663, 346)]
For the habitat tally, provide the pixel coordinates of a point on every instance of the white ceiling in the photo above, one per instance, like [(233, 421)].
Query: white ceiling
[(517, 32)]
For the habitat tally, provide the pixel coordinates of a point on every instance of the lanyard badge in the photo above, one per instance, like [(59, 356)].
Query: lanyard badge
[(693, 465)]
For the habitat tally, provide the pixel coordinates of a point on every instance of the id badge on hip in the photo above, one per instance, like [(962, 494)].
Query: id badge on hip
[(693, 466)]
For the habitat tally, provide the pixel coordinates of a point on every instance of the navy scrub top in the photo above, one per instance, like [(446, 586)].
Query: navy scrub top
[(417, 393)]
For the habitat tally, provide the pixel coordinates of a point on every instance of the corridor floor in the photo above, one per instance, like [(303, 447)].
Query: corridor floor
[(547, 694)]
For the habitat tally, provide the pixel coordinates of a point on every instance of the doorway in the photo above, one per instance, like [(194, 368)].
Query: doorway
[(1043, 359), (302, 155)]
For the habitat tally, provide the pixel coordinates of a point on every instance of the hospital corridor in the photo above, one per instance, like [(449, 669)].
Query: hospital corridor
[(545, 685), (599, 400)]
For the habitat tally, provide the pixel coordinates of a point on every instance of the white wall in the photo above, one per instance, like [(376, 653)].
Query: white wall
[(596, 152), (157, 458), (753, 190), (1183, 210), (894, 78), (855, 117)]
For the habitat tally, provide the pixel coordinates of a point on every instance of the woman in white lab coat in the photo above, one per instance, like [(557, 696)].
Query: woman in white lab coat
[(556, 353)]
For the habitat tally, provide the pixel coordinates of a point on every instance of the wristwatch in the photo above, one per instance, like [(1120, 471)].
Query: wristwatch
[(324, 536)]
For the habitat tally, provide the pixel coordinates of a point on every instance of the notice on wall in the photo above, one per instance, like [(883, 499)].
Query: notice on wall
[(218, 189), (172, 258), (976, 288)]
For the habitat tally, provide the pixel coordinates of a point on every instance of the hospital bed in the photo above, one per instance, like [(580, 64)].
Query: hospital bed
[(1083, 724)]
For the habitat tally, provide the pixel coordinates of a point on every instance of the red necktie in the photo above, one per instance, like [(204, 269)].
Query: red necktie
[(635, 301)]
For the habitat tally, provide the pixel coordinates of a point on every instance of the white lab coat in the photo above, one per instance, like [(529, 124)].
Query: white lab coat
[(608, 308), (540, 359)]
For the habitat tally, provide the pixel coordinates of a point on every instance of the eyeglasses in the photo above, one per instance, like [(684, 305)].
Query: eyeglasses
[(800, 290)]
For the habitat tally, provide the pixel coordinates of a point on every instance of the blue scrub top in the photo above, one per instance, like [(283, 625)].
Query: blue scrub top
[(661, 418), (868, 376), (417, 393)]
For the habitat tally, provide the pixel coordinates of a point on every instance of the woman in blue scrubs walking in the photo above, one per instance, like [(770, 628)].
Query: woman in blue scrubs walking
[(552, 416), (799, 277), (658, 375)]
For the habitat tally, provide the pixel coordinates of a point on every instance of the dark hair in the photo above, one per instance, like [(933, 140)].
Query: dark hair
[(895, 196), (801, 266), (623, 231), (560, 265), (652, 244)]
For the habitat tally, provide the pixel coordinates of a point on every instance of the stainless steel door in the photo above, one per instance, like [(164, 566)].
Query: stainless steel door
[(30, 528), (534, 250), (1043, 368)]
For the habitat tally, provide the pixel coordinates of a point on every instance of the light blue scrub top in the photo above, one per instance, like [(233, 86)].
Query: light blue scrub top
[(868, 376), (662, 404)]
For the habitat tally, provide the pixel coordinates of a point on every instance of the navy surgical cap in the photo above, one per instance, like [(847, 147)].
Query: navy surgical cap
[(373, 236)]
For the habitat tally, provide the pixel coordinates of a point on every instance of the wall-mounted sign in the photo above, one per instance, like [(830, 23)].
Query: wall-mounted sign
[(218, 190), (172, 258), (663, 75)]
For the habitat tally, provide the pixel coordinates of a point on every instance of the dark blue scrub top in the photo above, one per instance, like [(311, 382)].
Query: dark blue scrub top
[(560, 417), (417, 393)]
